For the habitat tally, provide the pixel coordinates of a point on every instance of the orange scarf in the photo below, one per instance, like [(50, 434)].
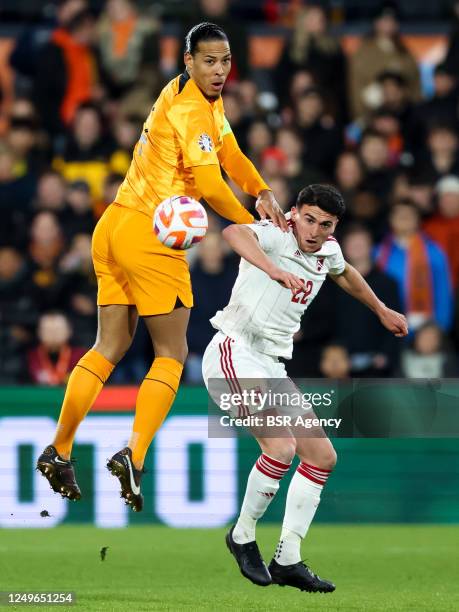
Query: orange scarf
[(122, 31), (80, 73), (419, 281), (54, 374)]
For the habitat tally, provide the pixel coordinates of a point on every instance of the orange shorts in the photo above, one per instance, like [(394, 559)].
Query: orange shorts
[(134, 267)]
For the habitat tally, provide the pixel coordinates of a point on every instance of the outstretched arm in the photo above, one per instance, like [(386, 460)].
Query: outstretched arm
[(353, 283), (241, 170), (245, 243)]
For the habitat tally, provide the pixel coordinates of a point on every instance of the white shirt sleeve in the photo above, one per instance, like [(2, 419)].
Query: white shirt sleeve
[(269, 236), (336, 261)]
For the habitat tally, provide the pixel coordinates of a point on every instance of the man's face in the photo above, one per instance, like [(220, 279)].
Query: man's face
[(210, 66), (312, 226)]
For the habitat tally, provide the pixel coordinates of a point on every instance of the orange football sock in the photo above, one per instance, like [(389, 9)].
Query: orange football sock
[(154, 400), (84, 385)]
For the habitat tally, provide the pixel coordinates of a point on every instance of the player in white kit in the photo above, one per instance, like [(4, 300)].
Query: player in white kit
[(279, 275)]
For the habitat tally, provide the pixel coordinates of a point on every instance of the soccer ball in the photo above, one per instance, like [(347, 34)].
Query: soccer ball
[(180, 222)]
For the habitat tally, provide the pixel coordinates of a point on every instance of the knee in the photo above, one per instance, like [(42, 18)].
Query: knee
[(280, 449), (325, 459), (113, 351), (179, 352)]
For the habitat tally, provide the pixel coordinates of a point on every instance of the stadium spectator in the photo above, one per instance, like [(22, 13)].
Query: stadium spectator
[(372, 350), (65, 76), (221, 13), (16, 192), (212, 276), (51, 192), (87, 151), (311, 47), (17, 314), (110, 188), (419, 266), (289, 141), (78, 216), (442, 155), (381, 50), (48, 288), (335, 362), (284, 193), (374, 153), (348, 178), (52, 359), (443, 226), (429, 356), (259, 138), (129, 56), (322, 139)]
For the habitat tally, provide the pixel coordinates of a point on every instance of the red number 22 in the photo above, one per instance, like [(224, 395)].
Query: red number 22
[(303, 293)]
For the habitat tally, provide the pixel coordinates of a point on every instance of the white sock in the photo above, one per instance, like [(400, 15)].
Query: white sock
[(303, 498), (262, 486)]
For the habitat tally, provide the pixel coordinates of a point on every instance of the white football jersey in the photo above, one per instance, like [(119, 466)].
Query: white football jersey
[(261, 312)]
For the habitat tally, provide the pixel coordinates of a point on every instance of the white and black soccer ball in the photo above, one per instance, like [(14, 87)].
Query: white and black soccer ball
[(180, 222)]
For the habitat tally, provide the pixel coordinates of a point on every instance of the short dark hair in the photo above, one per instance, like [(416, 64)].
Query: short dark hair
[(326, 197), (203, 32)]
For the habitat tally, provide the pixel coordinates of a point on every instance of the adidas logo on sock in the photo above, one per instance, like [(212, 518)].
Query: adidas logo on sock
[(266, 494)]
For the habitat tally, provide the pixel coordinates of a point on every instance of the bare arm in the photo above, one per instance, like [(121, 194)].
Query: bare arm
[(245, 243), (353, 283)]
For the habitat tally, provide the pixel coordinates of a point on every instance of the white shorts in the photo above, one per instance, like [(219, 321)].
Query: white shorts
[(231, 367)]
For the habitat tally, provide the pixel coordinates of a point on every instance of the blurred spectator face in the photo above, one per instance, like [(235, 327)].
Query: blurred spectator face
[(442, 140), (335, 362), (301, 81), (67, 10), (81, 245), (87, 128), (444, 83), (421, 194), (289, 142), (309, 108), (387, 125), (53, 331), (374, 152), (428, 339), (365, 205), (349, 172), (273, 162), (386, 26), (404, 220), (314, 20), (45, 228), (11, 263), (85, 32), (23, 109), (127, 132), (21, 137), (79, 197), (211, 253), (214, 8), (282, 192), (258, 137), (448, 204), (233, 110), (357, 246), (118, 10), (111, 186), (248, 93), (51, 191), (394, 93)]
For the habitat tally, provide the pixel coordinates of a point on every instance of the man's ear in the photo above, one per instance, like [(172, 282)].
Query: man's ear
[(188, 60)]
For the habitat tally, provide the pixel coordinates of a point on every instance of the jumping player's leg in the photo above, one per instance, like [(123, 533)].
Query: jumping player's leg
[(159, 387), (116, 328)]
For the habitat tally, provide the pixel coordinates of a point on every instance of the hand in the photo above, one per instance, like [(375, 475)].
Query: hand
[(287, 280), (394, 322), (267, 206)]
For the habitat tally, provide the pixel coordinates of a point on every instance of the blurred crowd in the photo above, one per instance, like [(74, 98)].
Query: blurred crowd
[(81, 92)]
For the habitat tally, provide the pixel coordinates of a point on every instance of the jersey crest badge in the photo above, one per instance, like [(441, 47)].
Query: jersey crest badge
[(205, 143)]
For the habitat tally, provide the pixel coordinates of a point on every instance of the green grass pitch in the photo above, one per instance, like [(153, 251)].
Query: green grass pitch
[(375, 568)]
